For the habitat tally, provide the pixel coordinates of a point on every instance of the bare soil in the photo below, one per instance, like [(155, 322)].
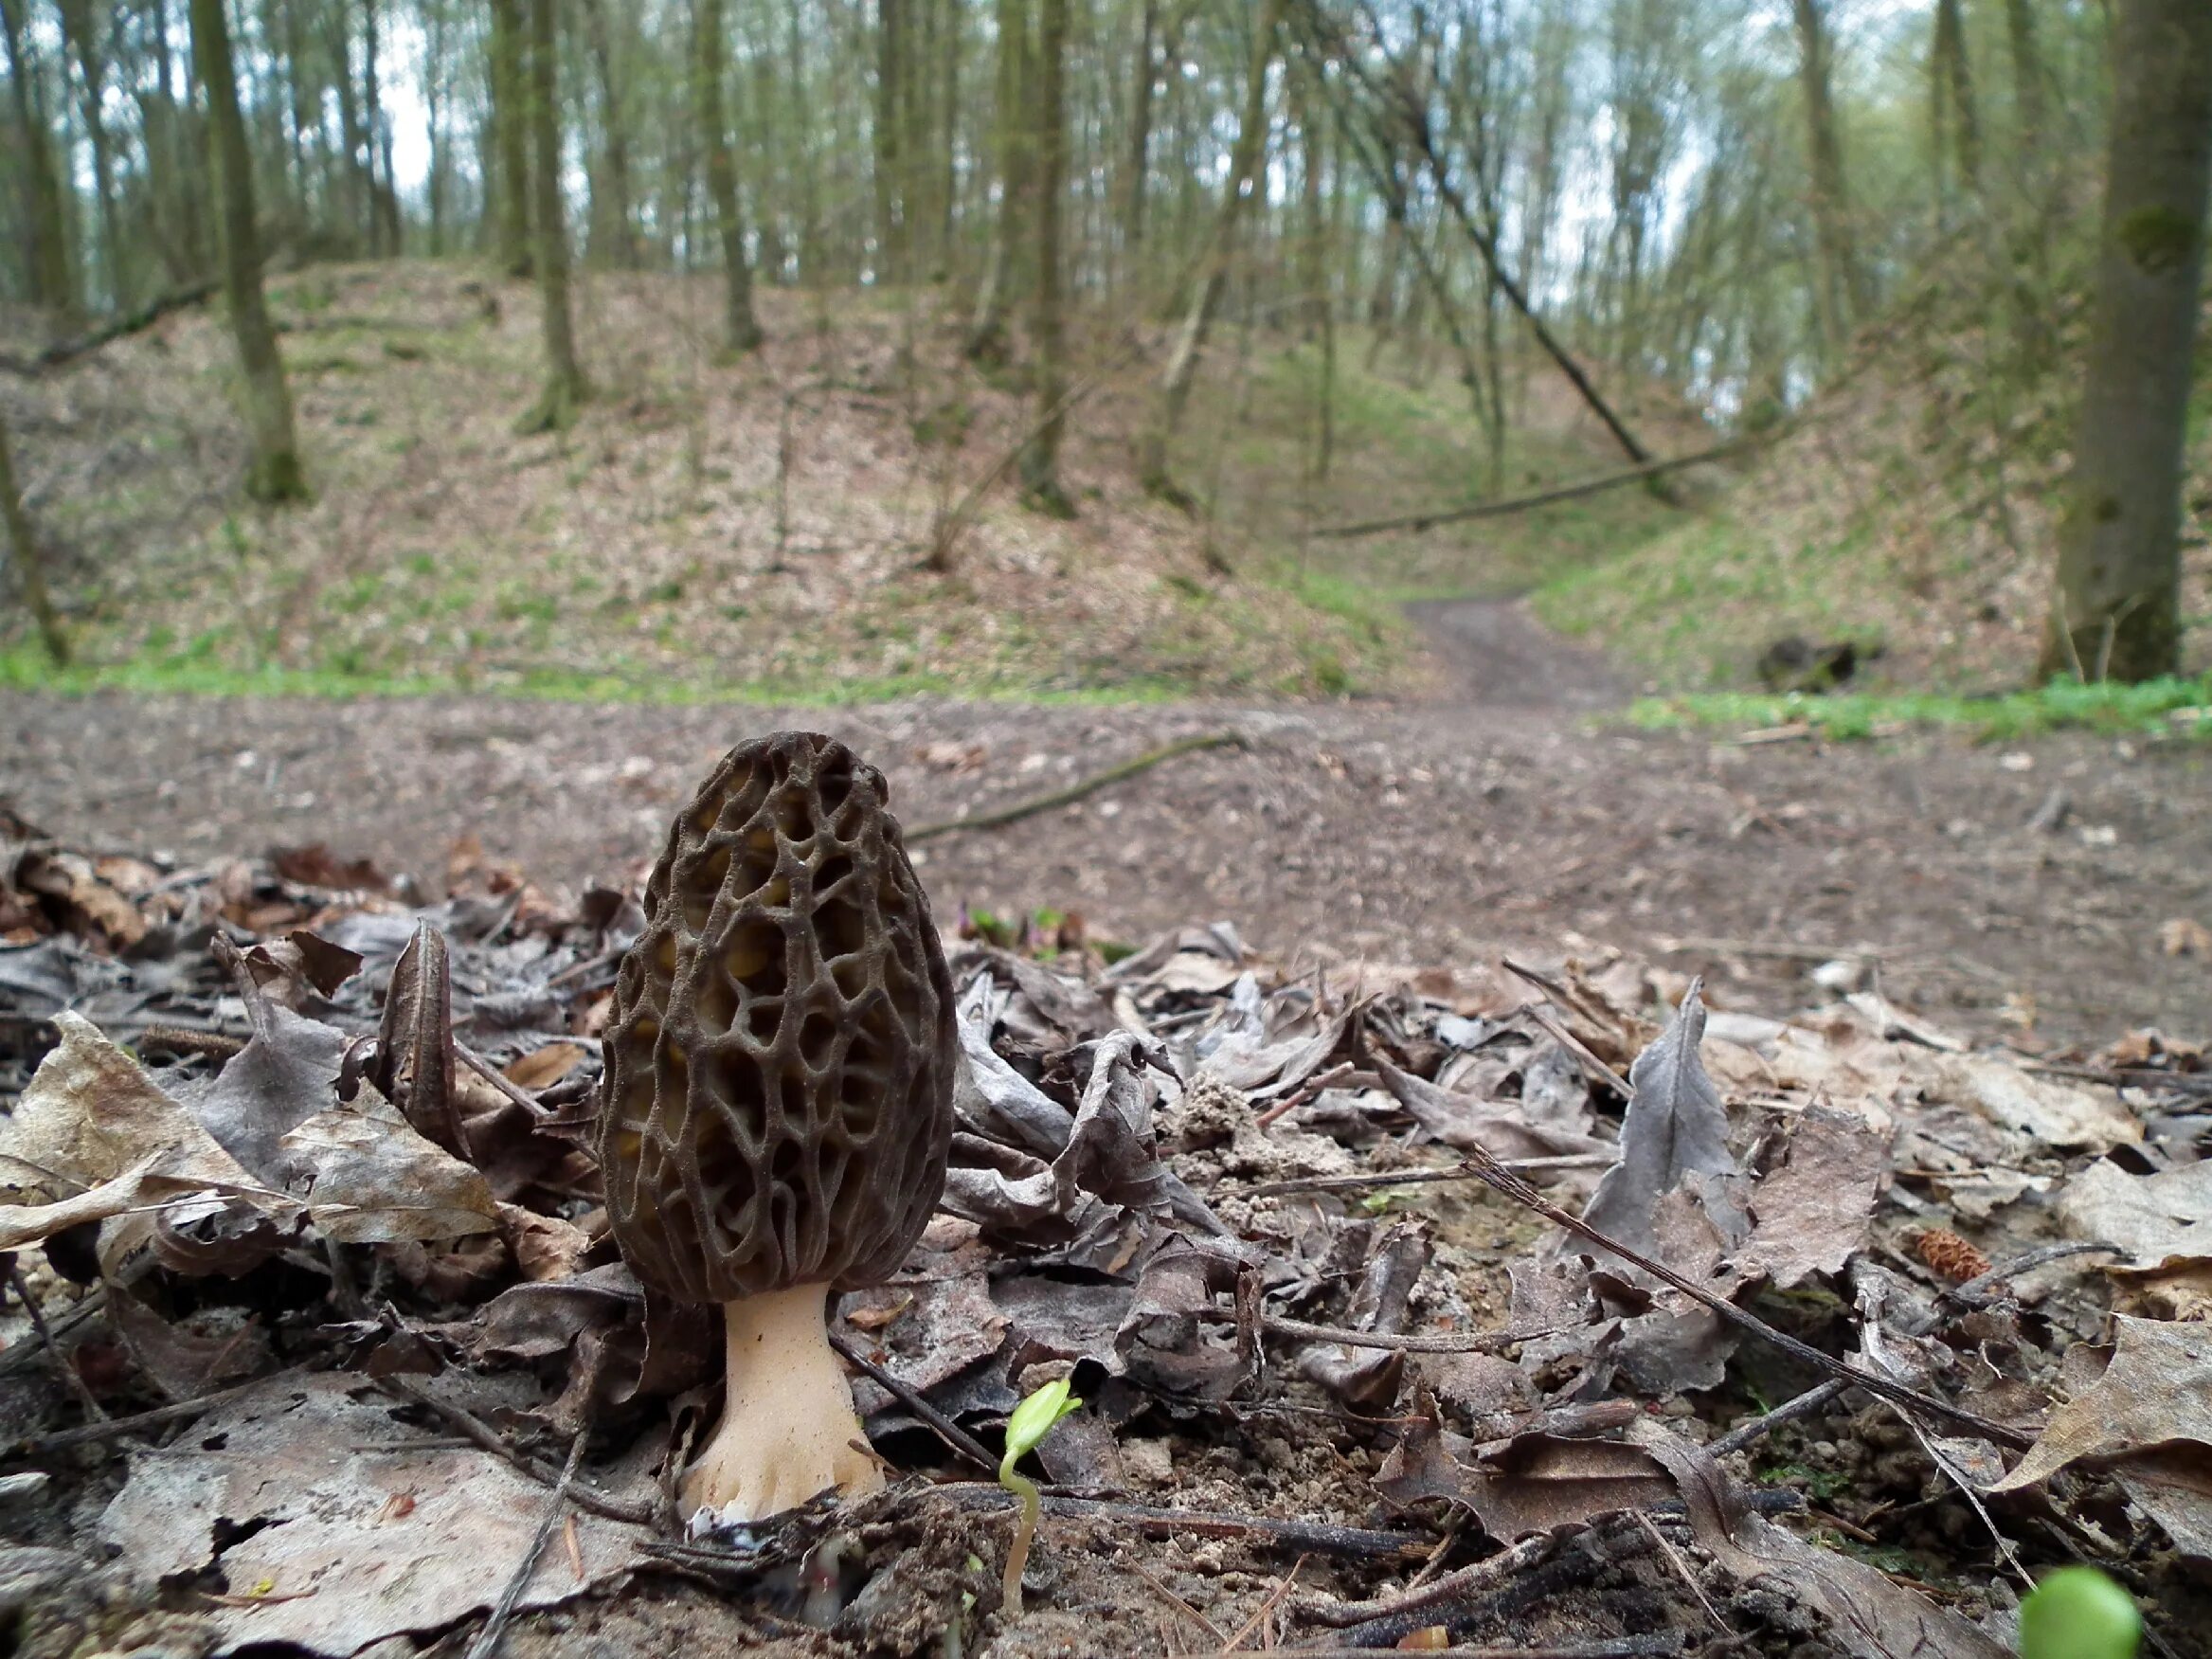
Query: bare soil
[(1498, 820)]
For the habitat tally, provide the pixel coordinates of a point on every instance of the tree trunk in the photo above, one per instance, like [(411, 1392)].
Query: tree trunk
[(1954, 83), (385, 223), (741, 329), (1139, 162), (47, 256), (2027, 72), (2116, 610), (30, 570), (1041, 455), (1844, 296), (1182, 364), (891, 78), (80, 27), (510, 138), (556, 409), (986, 341), (612, 242), (273, 472)]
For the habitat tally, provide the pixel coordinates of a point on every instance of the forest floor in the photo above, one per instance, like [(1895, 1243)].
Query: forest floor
[(2017, 889)]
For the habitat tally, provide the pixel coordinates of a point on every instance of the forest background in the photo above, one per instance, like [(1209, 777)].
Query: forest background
[(822, 348)]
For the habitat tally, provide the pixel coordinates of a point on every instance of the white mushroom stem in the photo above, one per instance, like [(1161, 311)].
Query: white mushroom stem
[(788, 1429)]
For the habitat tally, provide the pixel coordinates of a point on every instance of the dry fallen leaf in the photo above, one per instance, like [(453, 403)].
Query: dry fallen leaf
[(2147, 1422), (294, 1476), (2185, 936)]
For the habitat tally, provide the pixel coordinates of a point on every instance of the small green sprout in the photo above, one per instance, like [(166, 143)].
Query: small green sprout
[(1032, 1419), (2077, 1612)]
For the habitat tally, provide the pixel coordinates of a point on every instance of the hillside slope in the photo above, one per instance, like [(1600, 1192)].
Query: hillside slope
[(754, 528), (1910, 507)]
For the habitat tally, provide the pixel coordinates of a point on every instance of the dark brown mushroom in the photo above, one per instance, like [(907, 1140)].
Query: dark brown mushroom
[(778, 1101)]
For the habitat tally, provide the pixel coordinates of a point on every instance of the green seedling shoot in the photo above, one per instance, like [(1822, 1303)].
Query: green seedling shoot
[(2077, 1612), (1032, 1419)]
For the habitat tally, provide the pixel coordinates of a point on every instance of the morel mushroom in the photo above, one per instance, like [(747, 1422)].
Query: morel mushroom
[(778, 1101)]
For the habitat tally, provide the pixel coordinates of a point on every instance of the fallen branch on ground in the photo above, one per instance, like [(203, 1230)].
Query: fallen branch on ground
[(1650, 469), (1076, 791)]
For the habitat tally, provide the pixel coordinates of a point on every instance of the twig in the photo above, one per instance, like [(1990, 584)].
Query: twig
[(1076, 791), (1744, 1434), (488, 1641), (114, 327), (497, 1079), (1274, 1600), (1352, 1184), (1453, 1586), (1651, 1647), (1180, 1606), (177, 1412), (1682, 1570), (1650, 469), (1510, 1185), (22, 1355), (1471, 1343), (583, 1494), (2021, 1264), (70, 1375), (1319, 1537), (947, 1430)]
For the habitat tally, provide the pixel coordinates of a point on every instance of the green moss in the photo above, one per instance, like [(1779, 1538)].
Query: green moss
[(2157, 239), (2181, 707)]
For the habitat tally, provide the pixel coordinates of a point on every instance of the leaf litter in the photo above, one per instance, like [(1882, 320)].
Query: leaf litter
[(297, 1169)]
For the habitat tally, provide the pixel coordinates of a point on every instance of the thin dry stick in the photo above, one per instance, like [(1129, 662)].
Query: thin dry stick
[(1682, 1570), (495, 1627), (1453, 1586), (1273, 1600), (947, 1430), (1506, 1183), (1744, 1434), (178, 1411), (1320, 1536), (581, 1494), (497, 1079), (70, 1375), (1353, 1184), (1180, 1606), (1076, 791), (1452, 1342)]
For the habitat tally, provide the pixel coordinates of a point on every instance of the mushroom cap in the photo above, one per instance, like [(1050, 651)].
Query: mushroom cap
[(778, 1098)]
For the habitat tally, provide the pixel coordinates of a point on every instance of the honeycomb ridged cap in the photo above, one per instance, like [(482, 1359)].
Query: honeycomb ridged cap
[(778, 1098)]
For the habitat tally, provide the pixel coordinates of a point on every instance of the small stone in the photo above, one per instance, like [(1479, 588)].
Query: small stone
[(1825, 1450), (1149, 1461)]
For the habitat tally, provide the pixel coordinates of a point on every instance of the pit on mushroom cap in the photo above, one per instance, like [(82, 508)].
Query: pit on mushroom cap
[(778, 1099)]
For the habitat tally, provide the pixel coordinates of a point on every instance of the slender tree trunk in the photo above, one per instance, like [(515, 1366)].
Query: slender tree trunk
[(1845, 294), (1139, 162), (1956, 91), (2027, 72), (891, 78), (1182, 364), (80, 27), (273, 472), (44, 209), (612, 242), (2117, 609), (556, 407), (30, 570), (1040, 456), (384, 228), (741, 329), (986, 341), (510, 135)]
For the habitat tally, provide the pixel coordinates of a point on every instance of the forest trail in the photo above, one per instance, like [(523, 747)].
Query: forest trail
[(1492, 653), (1439, 832)]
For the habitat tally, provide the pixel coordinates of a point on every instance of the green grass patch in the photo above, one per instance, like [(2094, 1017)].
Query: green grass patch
[(2174, 707), (191, 673)]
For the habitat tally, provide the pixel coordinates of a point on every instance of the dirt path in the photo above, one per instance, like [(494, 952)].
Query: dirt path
[(1424, 832)]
